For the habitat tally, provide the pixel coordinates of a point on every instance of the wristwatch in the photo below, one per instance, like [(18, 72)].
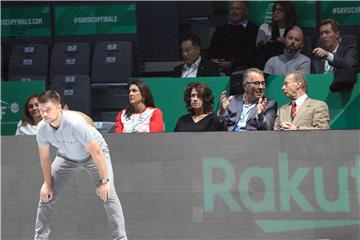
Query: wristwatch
[(103, 181)]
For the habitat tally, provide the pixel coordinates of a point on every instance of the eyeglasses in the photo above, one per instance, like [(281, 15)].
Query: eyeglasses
[(257, 83)]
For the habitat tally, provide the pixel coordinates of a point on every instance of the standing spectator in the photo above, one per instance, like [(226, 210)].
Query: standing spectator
[(31, 117), (303, 112), (335, 56), (271, 36), (291, 60), (194, 65), (250, 111), (199, 103), (140, 115), (80, 147), (232, 46)]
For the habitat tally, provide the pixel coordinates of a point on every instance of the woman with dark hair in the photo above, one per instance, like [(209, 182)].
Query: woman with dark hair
[(31, 117), (271, 36), (199, 101), (140, 115)]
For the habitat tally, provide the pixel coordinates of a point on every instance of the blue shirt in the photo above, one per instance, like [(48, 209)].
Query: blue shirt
[(241, 124)]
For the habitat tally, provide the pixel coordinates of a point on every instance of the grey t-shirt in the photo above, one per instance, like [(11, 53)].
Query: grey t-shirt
[(71, 137), (287, 63)]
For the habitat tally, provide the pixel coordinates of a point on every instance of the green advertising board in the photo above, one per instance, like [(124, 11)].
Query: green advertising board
[(13, 97), (25, 21), (261, 11), (344, 107), (168, 94), (347, 13), (92, 19)]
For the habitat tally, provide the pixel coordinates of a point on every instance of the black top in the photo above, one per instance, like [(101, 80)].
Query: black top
[(235, 43), (209, 123)]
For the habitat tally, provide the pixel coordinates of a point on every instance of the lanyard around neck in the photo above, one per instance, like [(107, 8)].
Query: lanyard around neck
[(134, 124)]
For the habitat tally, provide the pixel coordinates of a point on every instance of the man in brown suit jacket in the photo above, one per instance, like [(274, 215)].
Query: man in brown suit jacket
[(303, 113)]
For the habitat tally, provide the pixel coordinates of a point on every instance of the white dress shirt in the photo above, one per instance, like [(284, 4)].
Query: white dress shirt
[(327, 67), (190, 72)]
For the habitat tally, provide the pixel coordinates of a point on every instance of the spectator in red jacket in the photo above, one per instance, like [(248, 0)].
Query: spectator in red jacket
[(140, 115)]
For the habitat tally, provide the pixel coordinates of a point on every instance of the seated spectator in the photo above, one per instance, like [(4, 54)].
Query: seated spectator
[(303, 112), (291, 60), (140, 115), (335, 56), (232, 46), (194, 65), (199, 103), (250, 111), (31, 117), (271, 36)]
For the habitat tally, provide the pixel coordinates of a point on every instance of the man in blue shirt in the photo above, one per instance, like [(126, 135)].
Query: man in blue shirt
[(251, 110)]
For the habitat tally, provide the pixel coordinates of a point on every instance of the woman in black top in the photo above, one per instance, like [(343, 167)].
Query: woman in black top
[(199, 103)]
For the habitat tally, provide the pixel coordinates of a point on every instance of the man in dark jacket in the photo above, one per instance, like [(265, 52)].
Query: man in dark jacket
[(194, 65), (251, 110), (335, 56)]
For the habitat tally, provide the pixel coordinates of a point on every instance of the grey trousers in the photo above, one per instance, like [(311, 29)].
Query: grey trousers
[(63, 170)]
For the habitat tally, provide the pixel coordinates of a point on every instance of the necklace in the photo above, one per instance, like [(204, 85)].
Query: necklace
[(200, 117)]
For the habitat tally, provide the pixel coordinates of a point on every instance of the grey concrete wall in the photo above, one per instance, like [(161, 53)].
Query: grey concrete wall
[(253, 185)]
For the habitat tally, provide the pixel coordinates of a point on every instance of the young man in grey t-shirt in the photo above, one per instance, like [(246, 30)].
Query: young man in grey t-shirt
[(80, 147)]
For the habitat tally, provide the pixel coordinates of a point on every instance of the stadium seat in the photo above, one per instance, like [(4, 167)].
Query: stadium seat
[(349, 39), (109, 96), (236, 81), (75, 89), (112, 62), (105, 127), (307, 48), (107, 116), (70, 58), (29, 60), (27, 78)]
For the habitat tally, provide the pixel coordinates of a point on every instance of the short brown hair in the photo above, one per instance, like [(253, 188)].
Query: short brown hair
[(49, 96), (334, 24), (205, 94)]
